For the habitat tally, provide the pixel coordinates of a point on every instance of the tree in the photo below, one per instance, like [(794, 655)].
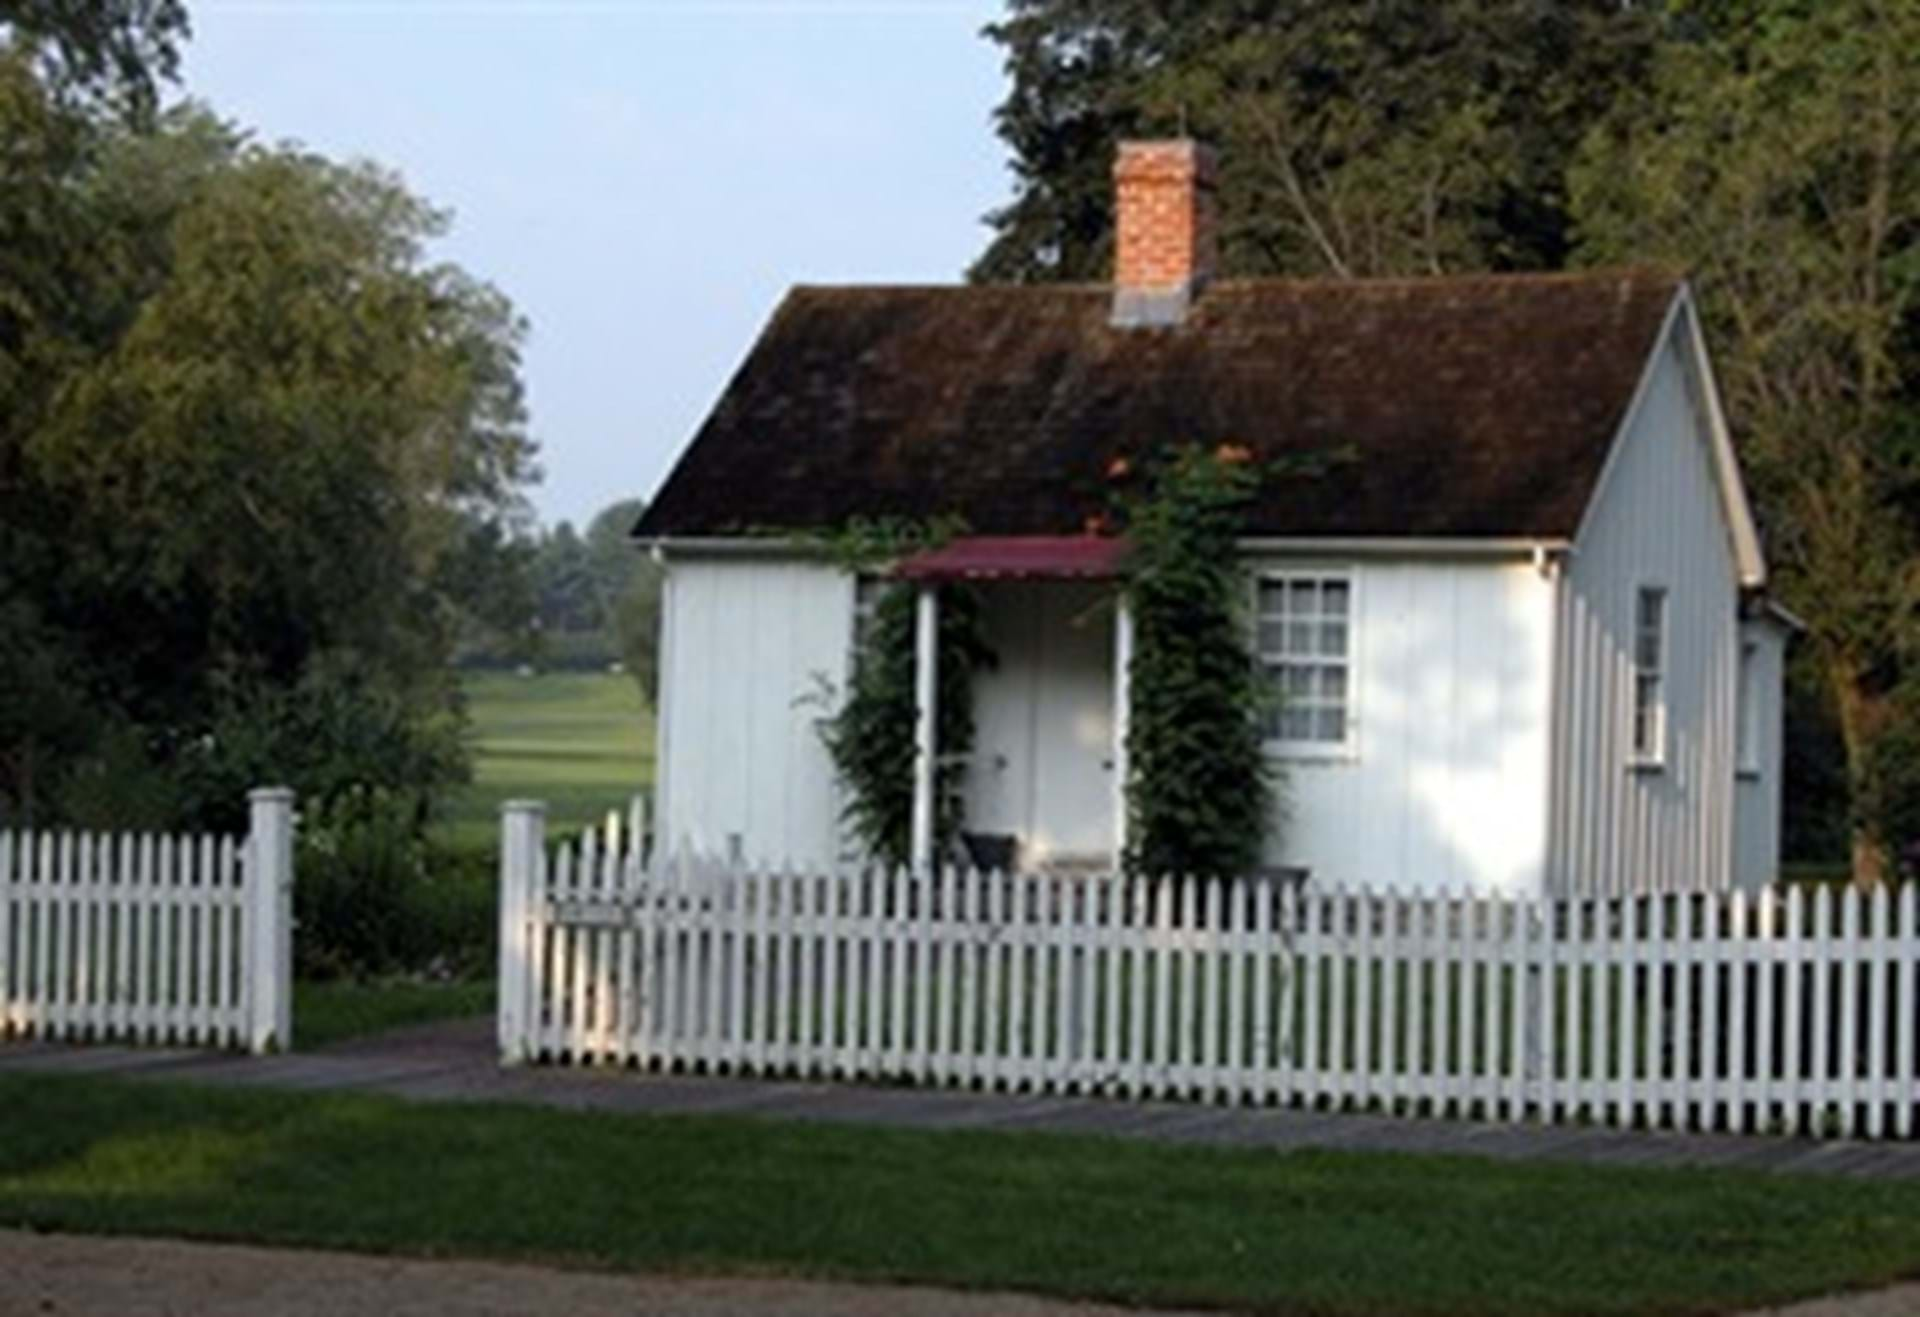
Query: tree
[(1777, 154), (102, 49), (245, 421), (628, 583), (1357, 137)]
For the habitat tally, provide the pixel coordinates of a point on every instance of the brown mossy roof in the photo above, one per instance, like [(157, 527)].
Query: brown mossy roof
[(1473, 407)]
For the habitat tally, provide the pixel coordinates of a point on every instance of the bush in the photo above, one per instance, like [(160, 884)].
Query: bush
[(339, 729), (371, 897)]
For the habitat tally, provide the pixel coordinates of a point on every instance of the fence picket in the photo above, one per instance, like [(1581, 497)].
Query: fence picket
[(9, 958), (133, 938), (1879, 981), (1847, 1038), (1766, 958), (1906, 1012), (1735, 1010)]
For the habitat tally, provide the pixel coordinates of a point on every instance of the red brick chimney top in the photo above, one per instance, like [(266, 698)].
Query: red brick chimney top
[(1164, 219)]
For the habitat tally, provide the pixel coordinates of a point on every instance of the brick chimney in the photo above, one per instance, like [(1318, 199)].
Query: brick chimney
[(1163, 242)]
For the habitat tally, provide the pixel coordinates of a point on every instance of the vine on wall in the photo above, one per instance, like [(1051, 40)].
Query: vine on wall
[(1200, 791), (870, 737)]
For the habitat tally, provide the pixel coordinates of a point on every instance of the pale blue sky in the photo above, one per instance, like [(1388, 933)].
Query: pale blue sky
[(643, 177)]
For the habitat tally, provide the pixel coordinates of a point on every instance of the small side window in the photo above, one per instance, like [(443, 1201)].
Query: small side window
[(1649, 734)]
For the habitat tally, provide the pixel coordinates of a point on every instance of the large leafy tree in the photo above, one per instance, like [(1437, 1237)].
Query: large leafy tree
[(1776, 152), (243, 422), (102, 50), (1358, 137)]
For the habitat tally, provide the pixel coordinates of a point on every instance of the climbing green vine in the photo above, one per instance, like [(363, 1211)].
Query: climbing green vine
[(870, 736), (1200, 790)]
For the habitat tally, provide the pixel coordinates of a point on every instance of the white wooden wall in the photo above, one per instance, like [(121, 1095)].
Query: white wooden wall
[(1656, 520), (1756, 794), (1446, 784), (754, 653)]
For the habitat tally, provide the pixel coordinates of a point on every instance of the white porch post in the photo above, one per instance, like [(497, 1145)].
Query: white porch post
[(1122, 718), (926, 684)]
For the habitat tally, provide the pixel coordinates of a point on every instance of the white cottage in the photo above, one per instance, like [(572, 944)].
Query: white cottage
[(1523, 632)]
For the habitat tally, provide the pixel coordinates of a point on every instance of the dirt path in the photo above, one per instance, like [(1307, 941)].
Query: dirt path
[(83, 1276)]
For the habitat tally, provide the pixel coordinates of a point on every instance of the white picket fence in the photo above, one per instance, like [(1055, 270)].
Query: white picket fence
[(1791, 1012), (141, 938)]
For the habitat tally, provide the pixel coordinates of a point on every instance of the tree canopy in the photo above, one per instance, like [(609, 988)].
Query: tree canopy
[(245, 426), (1385, 137)]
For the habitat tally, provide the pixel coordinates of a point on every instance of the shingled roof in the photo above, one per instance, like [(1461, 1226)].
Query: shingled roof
[(1474, 407)]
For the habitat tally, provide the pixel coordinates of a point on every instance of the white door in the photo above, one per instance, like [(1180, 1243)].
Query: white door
[(1073, 726), (1042, 767)]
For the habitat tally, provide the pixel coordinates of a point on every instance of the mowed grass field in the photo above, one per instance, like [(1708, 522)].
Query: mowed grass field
[(581, 741)]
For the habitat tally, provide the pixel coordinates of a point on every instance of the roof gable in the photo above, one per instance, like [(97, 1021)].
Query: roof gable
[(1474, 407)]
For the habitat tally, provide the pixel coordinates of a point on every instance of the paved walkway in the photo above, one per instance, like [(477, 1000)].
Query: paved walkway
[(80, 1276), (455, 1062)]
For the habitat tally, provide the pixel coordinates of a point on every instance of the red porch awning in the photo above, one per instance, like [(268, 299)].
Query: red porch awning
[(1018, 557)]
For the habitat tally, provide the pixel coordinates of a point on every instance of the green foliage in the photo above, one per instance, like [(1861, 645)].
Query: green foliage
[(114, 50), (1200, 790), (863, 544), (247, 429), (1356, 137), (871, 735), (340, 730), (337, 1011), (563, 600), (374, 898)]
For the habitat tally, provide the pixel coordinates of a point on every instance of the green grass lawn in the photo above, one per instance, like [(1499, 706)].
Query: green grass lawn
[(581, 741), (327, 1013), (1319, 1232)]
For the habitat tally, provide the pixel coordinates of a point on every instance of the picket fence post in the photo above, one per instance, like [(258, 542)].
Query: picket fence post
[(269, 897), (523, 841)]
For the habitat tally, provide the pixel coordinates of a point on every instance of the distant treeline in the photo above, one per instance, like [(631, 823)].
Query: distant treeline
[(561, 599)]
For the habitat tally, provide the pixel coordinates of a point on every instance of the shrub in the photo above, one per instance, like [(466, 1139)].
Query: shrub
[(371, 897)]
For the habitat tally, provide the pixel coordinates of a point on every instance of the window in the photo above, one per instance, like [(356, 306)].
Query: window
[(1746, 726), (1649, 675), (1304, 643), (866, 603)]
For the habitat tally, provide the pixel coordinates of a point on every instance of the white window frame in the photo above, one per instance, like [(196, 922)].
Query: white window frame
[(1746, 718), (1653, 756), (1348, 747), (867, 589)]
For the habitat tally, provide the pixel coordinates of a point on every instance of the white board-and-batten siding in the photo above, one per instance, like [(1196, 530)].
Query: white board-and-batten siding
[(754, 655), (1444, 782), (1756, 792), (1656, 521)]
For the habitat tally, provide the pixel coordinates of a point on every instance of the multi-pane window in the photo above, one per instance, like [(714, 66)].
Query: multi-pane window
[(1649, 674), (866, 605), (1304, 642)]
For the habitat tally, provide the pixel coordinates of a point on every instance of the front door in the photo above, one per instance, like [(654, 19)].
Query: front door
[(1043, 762)]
